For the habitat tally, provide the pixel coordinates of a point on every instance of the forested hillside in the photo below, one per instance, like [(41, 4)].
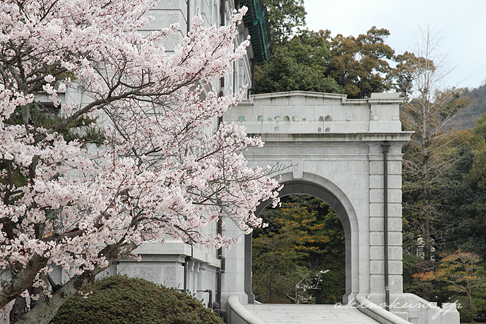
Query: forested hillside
[(467, 118)]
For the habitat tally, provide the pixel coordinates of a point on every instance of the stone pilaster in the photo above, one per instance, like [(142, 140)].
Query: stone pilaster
[(377, 262)]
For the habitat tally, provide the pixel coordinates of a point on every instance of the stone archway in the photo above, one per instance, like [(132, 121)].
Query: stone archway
[(344, 166), (328, 192), (347, 152)]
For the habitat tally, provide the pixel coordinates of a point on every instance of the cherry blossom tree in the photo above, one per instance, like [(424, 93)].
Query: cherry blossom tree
[(299, 293), (156, 168)]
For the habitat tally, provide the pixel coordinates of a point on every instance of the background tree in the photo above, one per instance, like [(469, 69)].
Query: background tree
[(477, 173), (275, 257), (467, 119), (429, 154), (463, 210), (156, 172), (442, 198), (284, 17), (408, 67), (315, 61), (361, 65), (461, 271), (297, 64), (304, 237)]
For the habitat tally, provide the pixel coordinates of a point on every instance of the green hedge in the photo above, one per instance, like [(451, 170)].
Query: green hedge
[(122, 300)]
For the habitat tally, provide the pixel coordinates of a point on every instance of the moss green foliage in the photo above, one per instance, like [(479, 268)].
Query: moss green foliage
[(297, 64), (284, 16), (460, 223), (464, 211), (122, 300), (314, 61)]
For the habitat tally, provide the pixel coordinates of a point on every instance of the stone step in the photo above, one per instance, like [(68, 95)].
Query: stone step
[(308, 314)]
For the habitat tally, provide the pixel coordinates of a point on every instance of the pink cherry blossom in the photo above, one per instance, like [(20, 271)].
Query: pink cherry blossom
[(154, 170)]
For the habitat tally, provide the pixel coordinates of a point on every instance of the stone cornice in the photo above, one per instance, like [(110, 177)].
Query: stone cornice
[(335, 137)]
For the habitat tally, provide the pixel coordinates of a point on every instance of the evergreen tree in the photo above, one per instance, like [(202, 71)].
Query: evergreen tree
[(304, 237)]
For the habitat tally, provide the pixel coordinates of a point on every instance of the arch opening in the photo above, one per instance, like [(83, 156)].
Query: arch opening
[(313, 189), (300, 256)]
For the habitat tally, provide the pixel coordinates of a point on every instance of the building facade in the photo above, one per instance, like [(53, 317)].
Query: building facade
[(337, 150), (211, 275)]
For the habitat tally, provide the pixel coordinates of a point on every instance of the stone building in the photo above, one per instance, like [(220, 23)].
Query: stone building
[(212, 275), (337, 150)]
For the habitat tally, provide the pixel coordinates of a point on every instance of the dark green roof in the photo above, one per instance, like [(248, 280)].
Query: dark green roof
[(256, 20)]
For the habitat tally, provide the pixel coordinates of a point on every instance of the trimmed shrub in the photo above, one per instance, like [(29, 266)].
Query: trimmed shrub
[(122, 300)]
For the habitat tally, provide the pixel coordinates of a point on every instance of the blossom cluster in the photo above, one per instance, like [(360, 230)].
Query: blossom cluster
[(154, 171)]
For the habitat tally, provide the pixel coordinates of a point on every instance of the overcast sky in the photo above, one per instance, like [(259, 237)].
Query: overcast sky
[(460, 25)]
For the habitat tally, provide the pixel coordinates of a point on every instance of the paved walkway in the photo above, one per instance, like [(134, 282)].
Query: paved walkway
[(308, 314)]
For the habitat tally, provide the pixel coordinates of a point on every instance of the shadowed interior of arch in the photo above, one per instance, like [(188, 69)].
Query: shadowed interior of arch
[(300, 256), (332, 195)]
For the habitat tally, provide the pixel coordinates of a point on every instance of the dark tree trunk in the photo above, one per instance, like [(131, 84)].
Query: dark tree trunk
[(18, 309)]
